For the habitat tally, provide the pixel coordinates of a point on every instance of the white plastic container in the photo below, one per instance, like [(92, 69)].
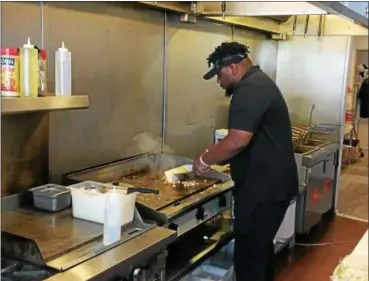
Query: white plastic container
[(63, 72), (89, 204), (287, 228)]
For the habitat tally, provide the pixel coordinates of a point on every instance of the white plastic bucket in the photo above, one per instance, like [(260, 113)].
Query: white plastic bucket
[(90, 205)]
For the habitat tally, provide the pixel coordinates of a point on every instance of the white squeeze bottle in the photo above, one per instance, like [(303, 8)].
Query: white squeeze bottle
[(28, 70), (112, 218), (63, 72)]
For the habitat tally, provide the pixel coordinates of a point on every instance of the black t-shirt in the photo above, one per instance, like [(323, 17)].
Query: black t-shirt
[(266, 169)]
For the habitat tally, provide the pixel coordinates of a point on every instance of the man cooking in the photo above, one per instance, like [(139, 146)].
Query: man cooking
[(260, 151)]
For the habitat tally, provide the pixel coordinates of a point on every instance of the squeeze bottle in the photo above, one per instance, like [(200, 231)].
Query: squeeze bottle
[(63, 72), (112, 218), (28, 70)]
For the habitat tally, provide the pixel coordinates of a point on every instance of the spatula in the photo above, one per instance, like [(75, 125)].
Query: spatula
[(184, 176), (170, 174), (132, 189)]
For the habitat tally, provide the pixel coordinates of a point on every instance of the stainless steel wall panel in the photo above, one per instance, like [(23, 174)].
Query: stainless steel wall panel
[(117, 60), (195, 107), (20, 20), (312, 71), (264, 51)]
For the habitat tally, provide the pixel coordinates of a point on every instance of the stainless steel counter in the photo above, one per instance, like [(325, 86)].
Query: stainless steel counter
[(72, 254), (121, 259)]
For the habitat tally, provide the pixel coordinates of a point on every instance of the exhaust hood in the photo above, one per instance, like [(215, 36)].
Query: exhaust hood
[(264, 16), (354, 11), (259, 9)]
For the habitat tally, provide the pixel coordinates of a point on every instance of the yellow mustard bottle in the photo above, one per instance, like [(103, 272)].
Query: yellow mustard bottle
[(29, 75)]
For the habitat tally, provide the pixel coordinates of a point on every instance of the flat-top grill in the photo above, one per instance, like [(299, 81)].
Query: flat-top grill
[(209, 195), (168, 193), (194, 212)]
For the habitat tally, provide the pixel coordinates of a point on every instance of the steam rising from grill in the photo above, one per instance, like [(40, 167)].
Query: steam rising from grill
[(147, 142)]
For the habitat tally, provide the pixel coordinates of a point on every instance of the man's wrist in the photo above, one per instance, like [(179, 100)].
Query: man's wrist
[(203, 162)]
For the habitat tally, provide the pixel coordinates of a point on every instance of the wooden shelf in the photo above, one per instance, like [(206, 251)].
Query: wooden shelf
[(49, 103)]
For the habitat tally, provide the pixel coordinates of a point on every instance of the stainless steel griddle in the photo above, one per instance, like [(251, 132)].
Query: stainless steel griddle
[(148, 171), (169, 194), (200, 215)]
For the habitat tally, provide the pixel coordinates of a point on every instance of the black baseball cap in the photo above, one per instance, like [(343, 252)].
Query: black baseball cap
[(219, 64)]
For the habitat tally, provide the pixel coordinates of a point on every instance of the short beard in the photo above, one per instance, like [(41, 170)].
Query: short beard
[(229, 91)]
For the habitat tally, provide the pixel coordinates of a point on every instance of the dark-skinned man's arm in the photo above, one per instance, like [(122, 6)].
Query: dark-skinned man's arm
[(231, 145), (247, 110)]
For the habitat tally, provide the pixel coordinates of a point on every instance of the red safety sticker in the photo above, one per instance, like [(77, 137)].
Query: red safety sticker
[(314, 196), (327, 185)]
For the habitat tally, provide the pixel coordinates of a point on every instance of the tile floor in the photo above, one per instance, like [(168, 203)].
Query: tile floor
[(353, 189), (317, 263)]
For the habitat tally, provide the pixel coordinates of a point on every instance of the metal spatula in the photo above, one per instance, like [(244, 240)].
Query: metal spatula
[(184, 176), (132, 189), (170, 174)]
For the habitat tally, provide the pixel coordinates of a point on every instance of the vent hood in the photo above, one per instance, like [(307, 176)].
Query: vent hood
[(263, 9), (264, 16), (354, 11)]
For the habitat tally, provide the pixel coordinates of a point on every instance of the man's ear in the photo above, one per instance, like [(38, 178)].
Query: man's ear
[(234, 68)]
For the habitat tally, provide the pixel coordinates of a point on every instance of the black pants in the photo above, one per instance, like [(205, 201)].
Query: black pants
[(254, 249)]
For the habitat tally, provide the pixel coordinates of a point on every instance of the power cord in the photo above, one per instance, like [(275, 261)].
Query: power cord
[(324, 243), (320, 244)]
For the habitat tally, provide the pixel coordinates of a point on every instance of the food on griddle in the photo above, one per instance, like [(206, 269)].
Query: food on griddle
[(168, 192)]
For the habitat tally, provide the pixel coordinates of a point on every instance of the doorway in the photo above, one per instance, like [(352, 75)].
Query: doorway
[(362, 58), (353, 194)]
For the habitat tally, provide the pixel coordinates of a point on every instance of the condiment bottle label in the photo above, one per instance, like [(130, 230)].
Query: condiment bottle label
[(9, 72)]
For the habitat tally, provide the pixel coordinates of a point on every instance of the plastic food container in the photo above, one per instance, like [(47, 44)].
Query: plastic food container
[(89, 199), (51, 197)]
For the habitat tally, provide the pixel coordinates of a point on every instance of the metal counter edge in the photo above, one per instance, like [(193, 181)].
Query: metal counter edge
[(131, 252)]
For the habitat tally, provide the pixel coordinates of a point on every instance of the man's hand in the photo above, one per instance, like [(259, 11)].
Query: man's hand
[(199, 166)]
